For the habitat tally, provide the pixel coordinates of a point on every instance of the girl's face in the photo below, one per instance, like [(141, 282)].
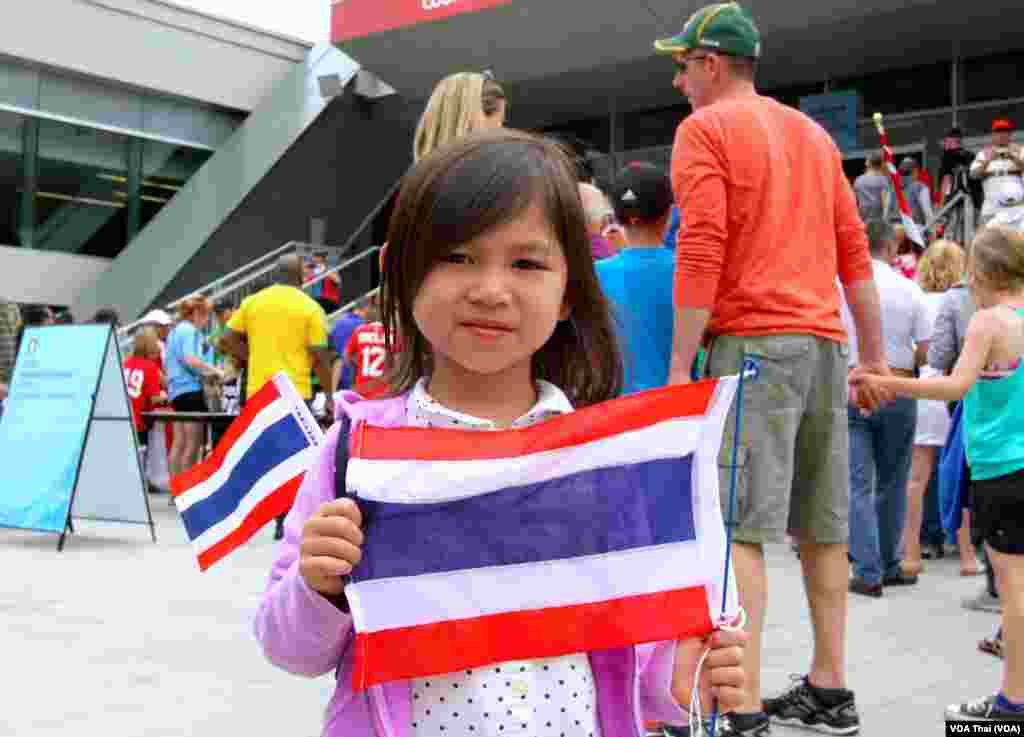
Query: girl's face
[(492, 303), (496, 119)]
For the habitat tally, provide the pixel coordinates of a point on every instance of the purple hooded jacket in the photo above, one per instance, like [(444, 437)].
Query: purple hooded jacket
[(305, 634)]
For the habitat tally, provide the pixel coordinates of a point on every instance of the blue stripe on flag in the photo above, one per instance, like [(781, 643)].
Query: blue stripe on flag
[(603, 510), (273, 446)]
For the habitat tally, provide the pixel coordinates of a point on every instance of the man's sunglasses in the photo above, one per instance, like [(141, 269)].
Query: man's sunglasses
[(682, 66)]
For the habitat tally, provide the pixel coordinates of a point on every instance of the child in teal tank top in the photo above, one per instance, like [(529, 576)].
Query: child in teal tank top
[(990, 378)]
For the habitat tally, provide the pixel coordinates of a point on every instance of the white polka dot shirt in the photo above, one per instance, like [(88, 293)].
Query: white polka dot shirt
[(548, 697)]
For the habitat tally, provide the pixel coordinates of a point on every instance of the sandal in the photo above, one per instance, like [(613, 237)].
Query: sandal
[(966, 572), (911, 568), (992, 646)]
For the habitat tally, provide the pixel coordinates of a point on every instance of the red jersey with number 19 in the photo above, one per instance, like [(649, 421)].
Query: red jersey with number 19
[(366, 352), (142, 379)]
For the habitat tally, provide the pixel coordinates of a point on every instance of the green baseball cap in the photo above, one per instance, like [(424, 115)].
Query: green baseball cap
[(724, 27)]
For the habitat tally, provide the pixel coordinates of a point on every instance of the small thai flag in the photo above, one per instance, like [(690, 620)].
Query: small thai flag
[(593, 530), (253, 474)]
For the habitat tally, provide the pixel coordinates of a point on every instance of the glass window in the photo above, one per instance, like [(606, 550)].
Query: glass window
[(165, 169), (903, 90), (652, 128), (12, 174), (81, 196), (93, 190), (993, 77), (593, 134)]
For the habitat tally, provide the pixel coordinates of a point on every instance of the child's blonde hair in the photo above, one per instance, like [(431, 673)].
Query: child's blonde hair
[(941, 267), (997, 259), (146, 344), (458, 106)]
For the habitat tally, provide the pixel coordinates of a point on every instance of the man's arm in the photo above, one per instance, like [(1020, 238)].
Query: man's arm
[(866, 310), (699, 181), (322, 367), (322, 352), (690, 324), (336, 368), (235, 345), (979, 167)]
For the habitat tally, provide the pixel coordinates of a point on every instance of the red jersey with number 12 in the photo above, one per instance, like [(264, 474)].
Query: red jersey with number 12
[(365, 351)]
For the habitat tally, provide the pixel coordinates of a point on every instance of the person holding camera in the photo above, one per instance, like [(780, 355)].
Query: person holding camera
[(1000, 168)]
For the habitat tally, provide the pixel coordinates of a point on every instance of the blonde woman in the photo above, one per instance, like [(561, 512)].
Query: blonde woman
[(940, 269), (460, 104)]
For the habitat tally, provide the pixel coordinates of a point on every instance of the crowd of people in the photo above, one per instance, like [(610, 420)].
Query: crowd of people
[(881, 432)]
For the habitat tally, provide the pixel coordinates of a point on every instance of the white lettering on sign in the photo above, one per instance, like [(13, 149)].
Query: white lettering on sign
[(437, 4)]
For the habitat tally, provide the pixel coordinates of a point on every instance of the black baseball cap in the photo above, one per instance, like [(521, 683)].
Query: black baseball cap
[(642, 191)]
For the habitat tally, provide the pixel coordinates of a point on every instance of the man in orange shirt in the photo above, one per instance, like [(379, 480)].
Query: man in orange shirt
[(768, 224)]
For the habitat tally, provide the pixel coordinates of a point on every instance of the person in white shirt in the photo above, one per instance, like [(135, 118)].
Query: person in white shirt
[(1000, 167), (881, 444)]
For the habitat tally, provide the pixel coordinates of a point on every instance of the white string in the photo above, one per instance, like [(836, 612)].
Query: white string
[(696, 715)]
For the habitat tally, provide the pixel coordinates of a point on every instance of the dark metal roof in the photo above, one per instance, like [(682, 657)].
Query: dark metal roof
[(565, 59)]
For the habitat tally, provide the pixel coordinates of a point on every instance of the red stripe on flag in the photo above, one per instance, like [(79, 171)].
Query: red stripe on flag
[(593, 423), (356, 18), (276, 504), (202, 471), (446, 647), (901, 200)]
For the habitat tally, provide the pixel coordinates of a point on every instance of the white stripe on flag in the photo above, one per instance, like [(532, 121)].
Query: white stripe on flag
[(266, 417), (277, 476), (425, 481), (437, 597)]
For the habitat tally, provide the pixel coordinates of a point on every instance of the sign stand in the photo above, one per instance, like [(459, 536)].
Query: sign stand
[(67, 438)]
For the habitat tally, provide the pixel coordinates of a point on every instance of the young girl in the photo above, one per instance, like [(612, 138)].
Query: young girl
[(143, 378), (488, 280), (990, 373)]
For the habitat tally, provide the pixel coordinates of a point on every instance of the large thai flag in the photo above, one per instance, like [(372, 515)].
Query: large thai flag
[(593, 530), (253, 474)]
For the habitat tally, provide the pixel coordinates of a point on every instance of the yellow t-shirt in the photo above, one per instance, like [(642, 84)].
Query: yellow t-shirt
[(283, 326)]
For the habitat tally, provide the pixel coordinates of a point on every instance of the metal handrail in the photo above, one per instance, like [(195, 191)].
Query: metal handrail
[(343, 265), (333, 317), (366, 222), (240, 270)]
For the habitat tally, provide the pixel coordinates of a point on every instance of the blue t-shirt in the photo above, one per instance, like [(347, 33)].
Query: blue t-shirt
[(340, 334), (673, 228), (638, 282), (184, 340)]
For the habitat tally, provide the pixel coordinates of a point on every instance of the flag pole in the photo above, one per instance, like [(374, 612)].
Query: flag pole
[(749, 371), (911, 227)]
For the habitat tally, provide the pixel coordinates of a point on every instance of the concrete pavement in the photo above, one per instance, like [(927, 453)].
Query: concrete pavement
[(120, 637)]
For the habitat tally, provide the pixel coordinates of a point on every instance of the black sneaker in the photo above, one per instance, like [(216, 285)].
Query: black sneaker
[(862, 587), (742, 725), (981, 710), (828, 710)]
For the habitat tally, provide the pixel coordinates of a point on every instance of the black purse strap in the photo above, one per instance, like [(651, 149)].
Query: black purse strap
[(341, 458)]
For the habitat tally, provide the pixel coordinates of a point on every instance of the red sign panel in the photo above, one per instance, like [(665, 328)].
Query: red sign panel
[(355, 18)]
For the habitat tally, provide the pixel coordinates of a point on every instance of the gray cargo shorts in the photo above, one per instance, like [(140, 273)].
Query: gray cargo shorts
[(792, 470)]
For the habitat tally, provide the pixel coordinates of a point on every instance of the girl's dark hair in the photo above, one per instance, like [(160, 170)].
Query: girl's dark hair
[(464, 190)]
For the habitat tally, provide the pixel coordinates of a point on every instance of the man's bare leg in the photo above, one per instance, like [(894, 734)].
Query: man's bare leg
[(826, 573), (752, 582)]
